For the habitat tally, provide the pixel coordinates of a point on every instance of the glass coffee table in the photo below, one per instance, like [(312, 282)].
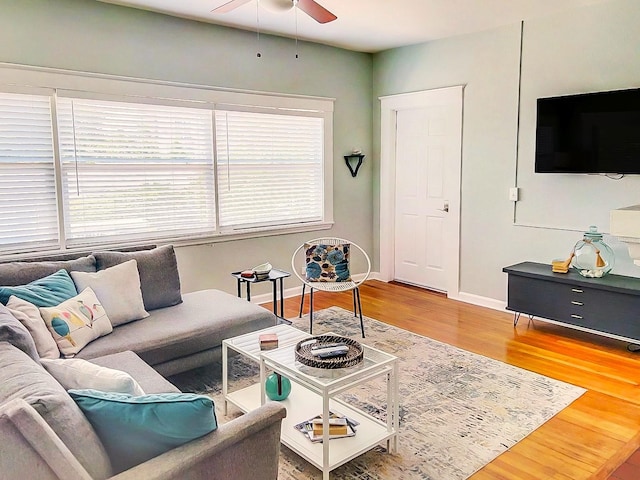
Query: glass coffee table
[(314, 391), (248, 345)]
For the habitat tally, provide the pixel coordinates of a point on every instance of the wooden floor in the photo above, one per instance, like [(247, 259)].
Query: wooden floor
[(588, 440)]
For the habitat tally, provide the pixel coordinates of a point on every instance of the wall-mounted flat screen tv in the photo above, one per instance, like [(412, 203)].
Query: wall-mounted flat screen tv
[(589, 133)]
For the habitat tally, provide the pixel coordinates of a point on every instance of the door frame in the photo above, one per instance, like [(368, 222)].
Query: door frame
[(389, 106)]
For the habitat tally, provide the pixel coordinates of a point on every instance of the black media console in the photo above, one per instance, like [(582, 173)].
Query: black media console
[(608, 306)]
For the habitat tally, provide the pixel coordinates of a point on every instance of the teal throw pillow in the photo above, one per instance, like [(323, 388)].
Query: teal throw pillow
[(135, 429), (44, 292)]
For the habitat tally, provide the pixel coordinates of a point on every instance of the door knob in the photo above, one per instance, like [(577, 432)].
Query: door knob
[(445, 207)]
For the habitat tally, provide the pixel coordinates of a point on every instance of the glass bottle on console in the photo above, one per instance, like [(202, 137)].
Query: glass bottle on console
[(591, 256)]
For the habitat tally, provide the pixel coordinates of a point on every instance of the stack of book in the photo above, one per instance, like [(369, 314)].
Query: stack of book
[(268, 341), (259, 272), (339, 427), (252, 274)]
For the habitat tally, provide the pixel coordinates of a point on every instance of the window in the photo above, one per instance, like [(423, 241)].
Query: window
[(135, 171), (81, 169), (28, 202), (269, 167)]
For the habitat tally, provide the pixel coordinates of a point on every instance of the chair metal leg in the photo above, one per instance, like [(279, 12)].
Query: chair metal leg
[(311, 312), (357, 294), (354, 302), (302, 300)]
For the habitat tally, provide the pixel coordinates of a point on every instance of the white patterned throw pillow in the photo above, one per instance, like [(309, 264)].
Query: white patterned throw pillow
[(76, 322)]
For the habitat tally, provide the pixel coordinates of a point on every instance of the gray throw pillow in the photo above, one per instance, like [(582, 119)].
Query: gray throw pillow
[(118, 289), (15, 333), (20, 273), (158, 268)]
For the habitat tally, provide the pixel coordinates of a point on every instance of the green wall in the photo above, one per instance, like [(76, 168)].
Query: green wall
[(588, 49), (90, 36)]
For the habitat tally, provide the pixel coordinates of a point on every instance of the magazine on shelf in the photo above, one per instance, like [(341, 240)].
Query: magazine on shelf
[(338, 423)]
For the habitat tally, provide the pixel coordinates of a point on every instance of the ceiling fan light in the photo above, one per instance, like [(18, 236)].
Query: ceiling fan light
[(277, 5)]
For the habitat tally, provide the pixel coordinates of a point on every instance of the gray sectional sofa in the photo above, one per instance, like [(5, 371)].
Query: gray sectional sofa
[(45, 434), (186, 334)]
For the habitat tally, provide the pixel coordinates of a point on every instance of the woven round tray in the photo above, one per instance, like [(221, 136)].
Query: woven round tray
[(351, 358)]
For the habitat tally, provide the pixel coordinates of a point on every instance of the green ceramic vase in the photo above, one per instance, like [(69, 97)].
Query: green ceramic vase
[(277, 387)]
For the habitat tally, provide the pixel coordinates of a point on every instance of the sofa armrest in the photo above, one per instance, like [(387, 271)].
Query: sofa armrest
[(243, 449), (31, 449)]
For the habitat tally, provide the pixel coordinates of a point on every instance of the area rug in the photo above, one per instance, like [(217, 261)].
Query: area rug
[(458, 410)]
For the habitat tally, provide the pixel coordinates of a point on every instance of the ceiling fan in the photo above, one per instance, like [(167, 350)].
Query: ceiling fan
[(310, 7)]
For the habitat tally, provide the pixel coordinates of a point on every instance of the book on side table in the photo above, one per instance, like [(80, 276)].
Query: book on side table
[(339, 427)]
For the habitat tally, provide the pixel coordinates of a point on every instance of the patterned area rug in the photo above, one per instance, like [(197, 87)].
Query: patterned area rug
[(458, 410)]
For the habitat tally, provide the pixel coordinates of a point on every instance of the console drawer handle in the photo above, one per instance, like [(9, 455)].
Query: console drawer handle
[(577, 303), (576, 290), (576, 316)]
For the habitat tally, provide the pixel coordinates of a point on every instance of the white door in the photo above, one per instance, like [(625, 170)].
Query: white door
[(427, 192)]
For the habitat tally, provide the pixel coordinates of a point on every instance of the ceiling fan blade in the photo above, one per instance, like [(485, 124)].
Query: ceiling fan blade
[(227, 7), (316, 11)]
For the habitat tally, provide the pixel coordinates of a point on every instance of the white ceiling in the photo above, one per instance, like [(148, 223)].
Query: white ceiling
[(368, 25)]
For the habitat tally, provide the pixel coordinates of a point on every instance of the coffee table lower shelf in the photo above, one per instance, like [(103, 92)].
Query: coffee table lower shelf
[(302, 404)]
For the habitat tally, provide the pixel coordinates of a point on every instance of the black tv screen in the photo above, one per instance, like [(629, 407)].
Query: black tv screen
[(589, 133)]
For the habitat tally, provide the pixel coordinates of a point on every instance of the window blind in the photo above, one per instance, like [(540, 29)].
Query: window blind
[(92, 167), (270, 168), (133, 170), (28, 209)]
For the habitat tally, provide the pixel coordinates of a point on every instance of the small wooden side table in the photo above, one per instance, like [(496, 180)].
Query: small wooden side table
[(276, 277)]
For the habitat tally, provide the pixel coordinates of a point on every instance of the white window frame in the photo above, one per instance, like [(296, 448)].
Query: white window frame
[(110, 87)]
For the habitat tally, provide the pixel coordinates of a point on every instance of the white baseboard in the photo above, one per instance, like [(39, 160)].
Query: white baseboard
[(460, 296), (295, 291), (377, 276), (268, 297), (479, 300)]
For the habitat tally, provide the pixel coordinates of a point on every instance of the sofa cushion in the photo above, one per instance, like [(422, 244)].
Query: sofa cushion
[(29, 315), (15, 333), (127, 361), (118, 289), (200, 323), (77, 373), (76, 322), (135, 429), (20, 273), (159, 278), (21, 377), (43, 292)]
